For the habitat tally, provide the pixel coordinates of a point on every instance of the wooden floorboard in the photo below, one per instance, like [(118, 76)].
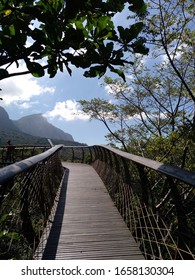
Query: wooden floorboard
[(86, 224)]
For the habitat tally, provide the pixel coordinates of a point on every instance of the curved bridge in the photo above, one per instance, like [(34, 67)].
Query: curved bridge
[(95, 202)]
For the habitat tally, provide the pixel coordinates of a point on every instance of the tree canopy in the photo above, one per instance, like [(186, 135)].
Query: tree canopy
[(153, 111), (170, 28), (52, 35)]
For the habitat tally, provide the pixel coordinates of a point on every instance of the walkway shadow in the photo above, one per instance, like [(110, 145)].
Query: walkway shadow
[(53, 239)]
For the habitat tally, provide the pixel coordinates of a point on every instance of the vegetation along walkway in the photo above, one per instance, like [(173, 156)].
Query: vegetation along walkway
[(86, 224)]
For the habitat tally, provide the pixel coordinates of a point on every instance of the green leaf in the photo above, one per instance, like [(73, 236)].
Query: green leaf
[(139, 47), (3, 233), (12, 30), (138, 6), (104, 23), (3, 74), (95, 71), (68, 69), (3, 218), (37, 35), (13, 235), (79, 24), (134, 30), (52, 70), (63, 25), (79, 61), (56, 4), (118, 71), (35, 69), (121, 32), (7, 13), (128, 34), (110, 47)]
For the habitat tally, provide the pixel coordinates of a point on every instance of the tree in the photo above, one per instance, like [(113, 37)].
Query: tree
[(150, 114), (54, 34), (157, 102), (170, 28), (108, 114)]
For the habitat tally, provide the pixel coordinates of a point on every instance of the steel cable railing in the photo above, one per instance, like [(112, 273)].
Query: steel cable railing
[(156, 200), (27, 192), (20, 152)]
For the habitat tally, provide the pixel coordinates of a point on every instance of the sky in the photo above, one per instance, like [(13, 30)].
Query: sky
[(57, 99)]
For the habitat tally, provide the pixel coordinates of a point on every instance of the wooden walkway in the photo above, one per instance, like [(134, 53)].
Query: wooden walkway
[(87, 225)]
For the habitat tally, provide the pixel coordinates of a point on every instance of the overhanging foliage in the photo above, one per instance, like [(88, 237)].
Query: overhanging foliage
[(52, 35)]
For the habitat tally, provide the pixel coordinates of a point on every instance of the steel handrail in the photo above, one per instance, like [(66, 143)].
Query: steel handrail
[(155, 199), (10, 171), (164, 168)]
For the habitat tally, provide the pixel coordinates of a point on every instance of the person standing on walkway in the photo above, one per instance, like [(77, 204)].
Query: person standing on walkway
[(9, 152)]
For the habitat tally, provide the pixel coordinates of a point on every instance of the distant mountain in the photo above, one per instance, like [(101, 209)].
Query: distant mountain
[(32, 130), (5, 123), (9, 131), (37, 125)]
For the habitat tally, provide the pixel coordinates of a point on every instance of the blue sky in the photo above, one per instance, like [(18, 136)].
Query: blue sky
[(57, 99)]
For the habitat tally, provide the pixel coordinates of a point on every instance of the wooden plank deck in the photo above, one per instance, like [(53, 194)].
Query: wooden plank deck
[(87, 225)]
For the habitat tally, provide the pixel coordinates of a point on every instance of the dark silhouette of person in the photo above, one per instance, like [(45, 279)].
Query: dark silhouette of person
[(9, 152)]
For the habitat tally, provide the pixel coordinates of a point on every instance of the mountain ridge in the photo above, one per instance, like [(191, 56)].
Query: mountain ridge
[(5, 122), (13, 130), (37, 125)]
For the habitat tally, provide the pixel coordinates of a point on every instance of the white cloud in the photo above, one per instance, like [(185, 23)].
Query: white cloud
[(108, 89), (174, 53), (114, 89), (68, 110), (20, 89), (25, 105)]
